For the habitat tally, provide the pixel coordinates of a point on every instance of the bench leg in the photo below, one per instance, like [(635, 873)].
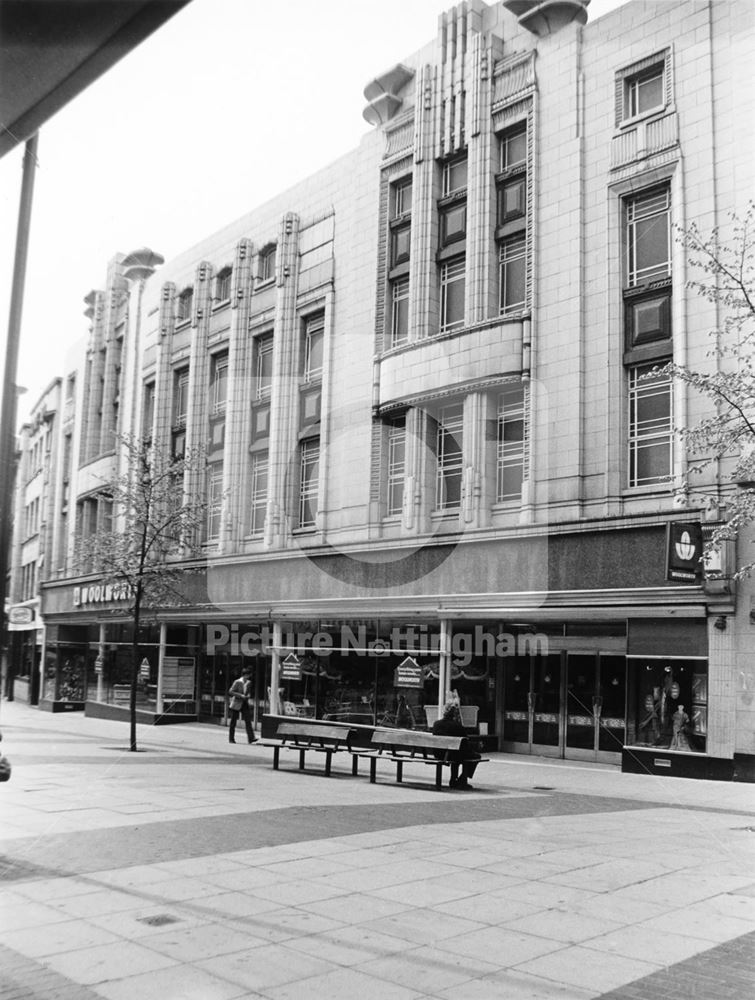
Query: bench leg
[(301, 759), (328, 759), (399, 771), (276, 757), (438, 775), (354, 764), (373, 769)]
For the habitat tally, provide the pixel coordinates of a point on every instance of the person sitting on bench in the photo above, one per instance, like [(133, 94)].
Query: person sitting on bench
[(450, 725)]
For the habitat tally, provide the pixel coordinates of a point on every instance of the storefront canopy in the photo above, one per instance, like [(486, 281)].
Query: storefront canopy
[(51, 50)]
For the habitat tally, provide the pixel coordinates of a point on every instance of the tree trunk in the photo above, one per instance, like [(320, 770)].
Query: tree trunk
[(135, 663)]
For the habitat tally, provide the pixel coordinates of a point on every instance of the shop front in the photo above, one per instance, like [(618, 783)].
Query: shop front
[(25, 636), (89, 657)]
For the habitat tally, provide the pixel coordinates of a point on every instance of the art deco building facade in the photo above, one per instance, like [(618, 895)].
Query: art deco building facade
[(437, 454)]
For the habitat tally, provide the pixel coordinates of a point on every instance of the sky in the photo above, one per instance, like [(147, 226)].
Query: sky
[(228, 104)]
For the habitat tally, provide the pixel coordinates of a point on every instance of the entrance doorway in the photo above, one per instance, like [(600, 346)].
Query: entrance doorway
[(567, 704)]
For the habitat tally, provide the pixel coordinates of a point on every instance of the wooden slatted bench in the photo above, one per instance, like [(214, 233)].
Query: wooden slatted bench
[(303, 736), (402, 745)]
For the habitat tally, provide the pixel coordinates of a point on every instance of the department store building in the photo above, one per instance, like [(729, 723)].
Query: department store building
[(440, 452)]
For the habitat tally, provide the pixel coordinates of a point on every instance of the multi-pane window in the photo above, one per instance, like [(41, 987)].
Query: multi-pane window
[(512, 261), (513, 147), (219, 384), (258, 492), (262, 389), (449, 456), (454, 176), (183, 310), (452, 219), (402, 198), (453, 223), (399, 311), (512, 199), (452, 291), (400, 244), (452, 208), (396, 470), (309, 471), (511, 443), (214, 500), (180, 397), (148, 410), (223, 285), (314, 335), (267, 263), (399, 237), (650, 426), (264, 367), (648, 236), (644, 91), (511, 218), (400, 221)]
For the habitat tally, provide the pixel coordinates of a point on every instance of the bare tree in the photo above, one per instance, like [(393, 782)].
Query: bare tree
[(152, 534), (727, 278)]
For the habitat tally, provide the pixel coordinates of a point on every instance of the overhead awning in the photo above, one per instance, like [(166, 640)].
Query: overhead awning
[(51, 50)]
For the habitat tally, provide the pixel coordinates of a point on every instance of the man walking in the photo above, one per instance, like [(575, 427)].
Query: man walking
[(239, 693)]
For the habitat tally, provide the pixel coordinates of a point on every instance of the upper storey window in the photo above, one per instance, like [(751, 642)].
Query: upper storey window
[(400, 221), (180, 397), (185, 299), (511, 219), (454, 176), (219, 383), (513, 149), (452, 208), (264, 366), (314, 335), (223, 285), (644, 88), (644, 91), (267, 263), (399, 235), (402, 198), (648, 237), (452, 261)]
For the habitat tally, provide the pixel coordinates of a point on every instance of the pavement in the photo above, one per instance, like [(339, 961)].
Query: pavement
[(191, 870)]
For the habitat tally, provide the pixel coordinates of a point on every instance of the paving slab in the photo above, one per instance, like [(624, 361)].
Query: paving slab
[(192, 870)]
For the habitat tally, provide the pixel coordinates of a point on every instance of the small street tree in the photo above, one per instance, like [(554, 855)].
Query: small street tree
[(727, 279), (152, 533)]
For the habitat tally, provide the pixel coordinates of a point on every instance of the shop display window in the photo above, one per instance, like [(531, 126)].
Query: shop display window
[(359, 672), (668, 704), (65, 672)]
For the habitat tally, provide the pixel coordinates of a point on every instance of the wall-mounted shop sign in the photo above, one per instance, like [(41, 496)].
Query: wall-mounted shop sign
[(101, 593), (684, 551), (20, 617), (291, 668), (408, 674)]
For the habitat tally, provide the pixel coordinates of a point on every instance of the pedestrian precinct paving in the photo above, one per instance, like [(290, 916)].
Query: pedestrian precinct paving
[(193, 871)]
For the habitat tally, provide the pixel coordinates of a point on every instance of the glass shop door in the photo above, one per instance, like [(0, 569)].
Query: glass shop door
[(531, 715), (594, 706)]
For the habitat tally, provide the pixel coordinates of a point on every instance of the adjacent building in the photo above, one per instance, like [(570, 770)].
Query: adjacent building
[(439, 449)]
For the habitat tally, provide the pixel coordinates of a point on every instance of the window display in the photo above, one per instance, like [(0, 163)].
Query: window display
[(668, 704)]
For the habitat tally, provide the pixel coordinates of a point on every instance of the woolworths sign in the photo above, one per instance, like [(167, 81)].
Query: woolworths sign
[(101, 593)]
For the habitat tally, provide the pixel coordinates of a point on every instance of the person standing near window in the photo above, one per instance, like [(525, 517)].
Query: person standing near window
[(239, 693)]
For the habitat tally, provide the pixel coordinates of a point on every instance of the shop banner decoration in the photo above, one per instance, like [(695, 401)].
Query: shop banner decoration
[(684, 551)]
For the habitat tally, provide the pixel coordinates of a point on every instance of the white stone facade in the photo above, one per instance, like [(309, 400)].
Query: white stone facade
[(461, 371)]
